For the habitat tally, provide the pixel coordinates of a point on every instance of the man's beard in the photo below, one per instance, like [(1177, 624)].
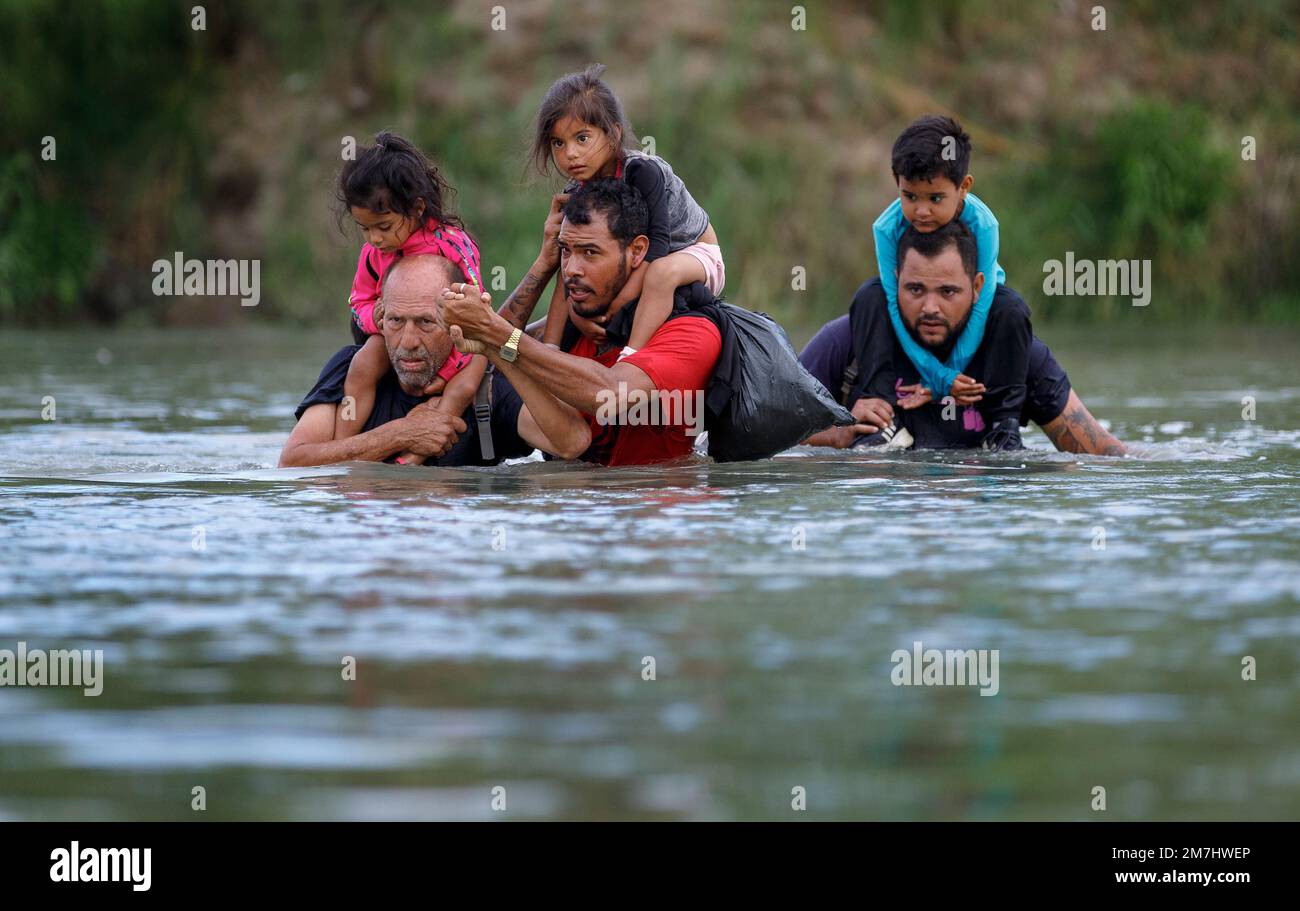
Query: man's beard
[(597, 305), (948, 339), (417, 379)]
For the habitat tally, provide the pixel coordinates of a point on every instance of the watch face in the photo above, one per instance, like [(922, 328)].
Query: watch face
[(510, 350)]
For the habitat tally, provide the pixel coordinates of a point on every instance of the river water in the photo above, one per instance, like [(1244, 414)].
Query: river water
[(500, 620)]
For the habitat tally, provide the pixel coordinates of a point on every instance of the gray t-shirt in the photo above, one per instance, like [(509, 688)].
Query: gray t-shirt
[(676, 219)]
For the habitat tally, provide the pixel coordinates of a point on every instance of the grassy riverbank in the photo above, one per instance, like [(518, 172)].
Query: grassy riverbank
[(223, 142)]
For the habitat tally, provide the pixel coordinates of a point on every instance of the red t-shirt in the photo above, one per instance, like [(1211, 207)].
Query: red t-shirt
[(679, 360)]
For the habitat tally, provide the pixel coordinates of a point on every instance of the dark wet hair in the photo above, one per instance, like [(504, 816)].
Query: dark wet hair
[(954, 233), (621, 203), (583, 96), (392, 176), (918, 150)]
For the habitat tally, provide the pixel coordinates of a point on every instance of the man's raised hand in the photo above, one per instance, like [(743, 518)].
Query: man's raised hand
[(464, 318)]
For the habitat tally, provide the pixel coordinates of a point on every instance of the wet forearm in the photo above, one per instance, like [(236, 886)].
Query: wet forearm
[(577, 381), (371, 446), (1076, 430), (565, 431), (833, 436)]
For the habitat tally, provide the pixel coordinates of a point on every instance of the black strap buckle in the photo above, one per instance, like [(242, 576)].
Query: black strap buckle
[(483, 416)]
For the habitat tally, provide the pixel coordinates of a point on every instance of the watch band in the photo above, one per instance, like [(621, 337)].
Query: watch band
[(510, 350)]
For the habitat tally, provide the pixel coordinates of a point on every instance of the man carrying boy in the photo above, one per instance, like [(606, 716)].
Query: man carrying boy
[(939, 283), (931, 360), (930, 162)]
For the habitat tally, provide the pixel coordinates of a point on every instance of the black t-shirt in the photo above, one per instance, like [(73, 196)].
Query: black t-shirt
[(831, 353), (393, 402)]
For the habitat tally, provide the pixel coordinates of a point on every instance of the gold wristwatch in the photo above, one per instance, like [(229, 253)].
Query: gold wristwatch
[(510, 350)]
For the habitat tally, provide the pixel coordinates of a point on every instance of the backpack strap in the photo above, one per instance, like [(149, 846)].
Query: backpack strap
[(850, 381), (860, 318), (483, 415)]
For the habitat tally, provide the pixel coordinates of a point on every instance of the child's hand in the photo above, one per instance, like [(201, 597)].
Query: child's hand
[(913, 396), (590, 328), (551, 230), (966, 390), (410, 458)]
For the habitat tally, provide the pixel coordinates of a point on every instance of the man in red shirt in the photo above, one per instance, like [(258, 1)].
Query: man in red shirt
[(645, 408)]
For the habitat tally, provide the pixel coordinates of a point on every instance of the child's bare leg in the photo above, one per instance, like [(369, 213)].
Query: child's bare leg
[(556, 316), (366, 370), (662, 280)]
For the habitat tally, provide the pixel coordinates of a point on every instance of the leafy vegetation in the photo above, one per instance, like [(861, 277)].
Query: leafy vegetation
[(224, 142)]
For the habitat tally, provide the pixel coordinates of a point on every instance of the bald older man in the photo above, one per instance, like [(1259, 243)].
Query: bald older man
[(403, 417)]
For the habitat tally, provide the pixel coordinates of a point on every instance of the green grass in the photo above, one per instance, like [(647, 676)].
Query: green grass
[(226, 142)]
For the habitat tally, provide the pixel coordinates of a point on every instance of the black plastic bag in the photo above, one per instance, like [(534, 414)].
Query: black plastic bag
[(761, 400)]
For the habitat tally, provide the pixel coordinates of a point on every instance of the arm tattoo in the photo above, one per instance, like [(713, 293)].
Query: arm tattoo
[(1076, 430), (519, 305)]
